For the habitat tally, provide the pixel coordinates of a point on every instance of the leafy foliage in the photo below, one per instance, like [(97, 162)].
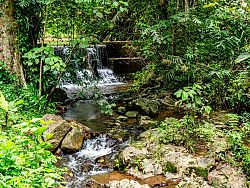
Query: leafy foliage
[(191, 96), (44, 67), (24, 160), (185, 132)]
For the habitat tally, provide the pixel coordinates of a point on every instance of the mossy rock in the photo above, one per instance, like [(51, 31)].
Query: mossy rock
[(199, 171), (169, 167)]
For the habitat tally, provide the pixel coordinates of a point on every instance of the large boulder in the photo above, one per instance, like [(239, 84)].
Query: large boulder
[(131, 154), (149, 168), (150, 107), (132, 114), (56, 131), (73, 141), (69, 135), (52, 117), (58, 95), (227, 176), (121, 110)]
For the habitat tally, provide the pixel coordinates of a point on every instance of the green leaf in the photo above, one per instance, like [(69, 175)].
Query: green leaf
[(178, 93), (207, 109), (99, 15), (184, 95), (19, 102), (242, 57), (42, 129), (116, 4), (3, 103), (198, 100)]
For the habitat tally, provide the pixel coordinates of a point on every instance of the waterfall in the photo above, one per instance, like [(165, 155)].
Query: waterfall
[(96, 73), (61, 51), (97, 57)]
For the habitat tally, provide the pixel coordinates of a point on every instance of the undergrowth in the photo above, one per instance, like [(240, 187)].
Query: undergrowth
[(25, 160)]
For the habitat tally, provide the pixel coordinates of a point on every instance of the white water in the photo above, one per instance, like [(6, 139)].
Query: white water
[(92, 150), (86, 80)]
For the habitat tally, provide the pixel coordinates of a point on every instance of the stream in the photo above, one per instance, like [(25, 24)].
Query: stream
[(98, 153)]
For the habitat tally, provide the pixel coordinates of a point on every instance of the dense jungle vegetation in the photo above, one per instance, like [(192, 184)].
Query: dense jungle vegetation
[(199, 50)]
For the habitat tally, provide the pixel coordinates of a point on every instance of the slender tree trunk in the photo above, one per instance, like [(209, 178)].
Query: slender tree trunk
[(186, 6), (174, 29), (10, 54)]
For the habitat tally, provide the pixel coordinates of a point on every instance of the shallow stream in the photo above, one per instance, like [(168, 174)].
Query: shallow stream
[(98, 153)]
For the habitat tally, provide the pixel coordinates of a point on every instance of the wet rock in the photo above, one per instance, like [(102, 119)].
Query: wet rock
[(148, 168), (151, 107), (227, 176), (186, 163), (219, 144), (119, 134), (73, 141), (55, 132), (87, 166), (117, 124), (122, 118), (191, 182), (130, 154), (146, 124), (126, 184), (132, 114), (58, 152), (121, 110), (52, 117), (145, 118), (58, 95)]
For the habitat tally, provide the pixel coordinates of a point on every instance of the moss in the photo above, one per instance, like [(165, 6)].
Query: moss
[(170, 167), (199, 171)]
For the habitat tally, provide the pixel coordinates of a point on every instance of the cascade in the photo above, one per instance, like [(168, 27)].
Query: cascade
[(96, 73), (92, 150)]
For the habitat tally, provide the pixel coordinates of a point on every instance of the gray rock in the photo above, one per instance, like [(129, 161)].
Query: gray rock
[(193, 183), (121, 110), (73, 141), (68, 133), (186, 163), (122, 118), (145, 118), (52, 117), (148, 123), (132, 114), (148, 169), (227, 176), (151, 107), (125, 183), (131, 154), (56, 131)]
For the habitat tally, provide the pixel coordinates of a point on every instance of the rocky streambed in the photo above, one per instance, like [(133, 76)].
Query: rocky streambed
[(123, 151)]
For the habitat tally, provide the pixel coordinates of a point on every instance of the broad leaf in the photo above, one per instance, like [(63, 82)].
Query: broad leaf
[(3, 103), (242, 57)]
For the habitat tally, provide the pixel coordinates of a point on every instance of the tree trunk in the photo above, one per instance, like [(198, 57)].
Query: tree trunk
[(10, 54), (174, 29)]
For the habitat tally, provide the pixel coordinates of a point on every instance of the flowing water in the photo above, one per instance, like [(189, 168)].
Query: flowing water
[(91, 160), (98, 153), (106, 80)]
